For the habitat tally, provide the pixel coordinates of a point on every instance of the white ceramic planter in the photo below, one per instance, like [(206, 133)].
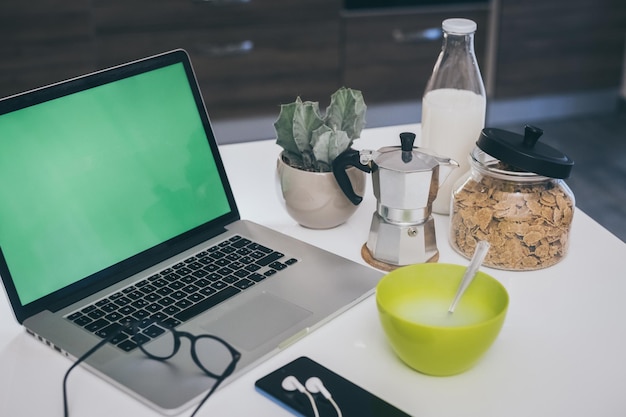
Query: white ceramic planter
[(314, 199)]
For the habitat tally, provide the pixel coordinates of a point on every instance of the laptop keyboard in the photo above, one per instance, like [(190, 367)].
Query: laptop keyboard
[(182, 291)]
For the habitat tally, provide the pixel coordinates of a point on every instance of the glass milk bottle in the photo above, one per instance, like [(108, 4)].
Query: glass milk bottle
[(454, 103)]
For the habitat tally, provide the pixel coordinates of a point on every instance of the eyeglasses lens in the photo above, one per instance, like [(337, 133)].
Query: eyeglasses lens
[(164, 347), (213, 355)]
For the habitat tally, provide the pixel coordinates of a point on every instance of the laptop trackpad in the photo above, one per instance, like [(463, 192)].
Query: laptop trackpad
[(259, 320)]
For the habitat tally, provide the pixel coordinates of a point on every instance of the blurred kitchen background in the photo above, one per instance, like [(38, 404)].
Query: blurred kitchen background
[(557, 64)]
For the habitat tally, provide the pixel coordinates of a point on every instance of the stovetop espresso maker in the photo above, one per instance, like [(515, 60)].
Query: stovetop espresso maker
[(405, 181)]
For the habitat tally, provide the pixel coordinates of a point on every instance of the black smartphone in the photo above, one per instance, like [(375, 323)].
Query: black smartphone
[(350, 399)]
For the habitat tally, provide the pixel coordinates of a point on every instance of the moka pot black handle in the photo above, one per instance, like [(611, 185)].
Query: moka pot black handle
[(348, 158)]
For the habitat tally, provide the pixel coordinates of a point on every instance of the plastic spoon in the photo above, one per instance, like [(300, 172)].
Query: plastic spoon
[(477, 259)]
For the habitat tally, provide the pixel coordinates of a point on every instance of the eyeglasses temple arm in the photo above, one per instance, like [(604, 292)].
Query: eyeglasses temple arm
[(81, 359)]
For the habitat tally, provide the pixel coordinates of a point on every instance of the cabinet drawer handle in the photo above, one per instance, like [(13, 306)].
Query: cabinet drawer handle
[(221, 2), (419, 36), (239, 48)]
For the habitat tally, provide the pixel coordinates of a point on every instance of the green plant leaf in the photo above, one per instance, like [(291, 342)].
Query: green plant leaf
[(347, 112), (293, 159), (284, 128), (306, 119), (328, 144)]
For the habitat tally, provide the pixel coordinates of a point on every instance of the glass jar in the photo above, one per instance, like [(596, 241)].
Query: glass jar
[(525, 215)]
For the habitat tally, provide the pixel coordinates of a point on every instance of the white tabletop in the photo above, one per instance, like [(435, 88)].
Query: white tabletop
[(561, 352)]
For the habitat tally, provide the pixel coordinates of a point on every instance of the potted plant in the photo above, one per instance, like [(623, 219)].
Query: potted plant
[(311, 142)]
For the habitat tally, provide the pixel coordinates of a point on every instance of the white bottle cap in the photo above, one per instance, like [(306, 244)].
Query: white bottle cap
[(459, 26)]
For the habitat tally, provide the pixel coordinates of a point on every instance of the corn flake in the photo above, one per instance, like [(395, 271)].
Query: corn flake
[(527, 225)]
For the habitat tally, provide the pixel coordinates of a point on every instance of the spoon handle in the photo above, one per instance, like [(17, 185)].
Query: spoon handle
[(477, 259)]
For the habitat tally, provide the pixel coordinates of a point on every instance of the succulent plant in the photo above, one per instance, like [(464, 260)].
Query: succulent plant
[(311, 141)]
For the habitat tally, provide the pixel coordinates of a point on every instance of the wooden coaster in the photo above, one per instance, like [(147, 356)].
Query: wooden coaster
[(367, 257)]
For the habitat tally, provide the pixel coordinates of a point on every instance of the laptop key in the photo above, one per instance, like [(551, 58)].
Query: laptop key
[(277, 266), (122, 301), (118, 338), (241, 242), (96, 314), (171, 322), (159, 316), (242, 273), (202, 283), (244, 283), (200, 273), (165, 291), (153, 331), (231, 279), (152, 297), (140, 338), (108, 330), (82, 320), (101, 302), (113, 316), (74, 316), (141, 314), (177, 295), (257, 277), (171, 310), (195, 298), (127, 345), (110, 307), (218, 285), (88, 309), (184, 303), (259, 247), (127, 310), (268, 259), (211, 301), (96, 325), (207, 290), (166, 301)]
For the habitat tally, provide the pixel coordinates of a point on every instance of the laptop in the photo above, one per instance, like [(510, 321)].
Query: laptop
[(112, 183)]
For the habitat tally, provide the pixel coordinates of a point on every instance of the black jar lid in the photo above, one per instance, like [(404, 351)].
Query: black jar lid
[(525, 152)]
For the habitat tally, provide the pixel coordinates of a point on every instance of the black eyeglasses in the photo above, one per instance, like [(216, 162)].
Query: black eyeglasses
[(213, 355)]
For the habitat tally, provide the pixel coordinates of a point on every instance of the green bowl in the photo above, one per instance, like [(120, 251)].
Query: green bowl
[(413, 306)]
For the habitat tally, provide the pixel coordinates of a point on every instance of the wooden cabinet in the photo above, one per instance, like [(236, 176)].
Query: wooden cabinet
[(390, 54), (43, 42), (557, 46), (249, 56), (252, 55)]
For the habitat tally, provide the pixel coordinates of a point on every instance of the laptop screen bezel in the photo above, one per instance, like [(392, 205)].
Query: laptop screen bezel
[(135, 264)]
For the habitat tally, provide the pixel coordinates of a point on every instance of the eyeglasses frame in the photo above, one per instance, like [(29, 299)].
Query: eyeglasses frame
[(136, 328)]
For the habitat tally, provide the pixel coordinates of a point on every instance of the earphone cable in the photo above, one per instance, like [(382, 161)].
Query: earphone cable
[(332, 401), (312, 401)]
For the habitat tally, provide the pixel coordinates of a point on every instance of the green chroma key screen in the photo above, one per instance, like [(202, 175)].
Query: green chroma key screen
[(92, 178)]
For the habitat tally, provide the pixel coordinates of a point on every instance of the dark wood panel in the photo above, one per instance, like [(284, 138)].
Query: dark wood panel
[(163, 15), (291, 48), (275, 70), (557, 46), (43, 42), (389, 70)]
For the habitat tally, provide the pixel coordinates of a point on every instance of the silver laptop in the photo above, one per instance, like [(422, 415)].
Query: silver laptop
[(112, 184)]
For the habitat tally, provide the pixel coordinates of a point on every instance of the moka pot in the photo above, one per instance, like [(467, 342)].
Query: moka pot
[(405, 181)]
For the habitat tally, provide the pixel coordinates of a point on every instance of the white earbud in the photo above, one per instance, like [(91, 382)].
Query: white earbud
[(291, 383), (315, 385)]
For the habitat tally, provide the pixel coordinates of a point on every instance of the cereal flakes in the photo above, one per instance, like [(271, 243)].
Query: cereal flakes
[(527, 225)]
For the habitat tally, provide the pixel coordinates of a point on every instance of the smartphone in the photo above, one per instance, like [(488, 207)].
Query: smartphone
[(352, 400)]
